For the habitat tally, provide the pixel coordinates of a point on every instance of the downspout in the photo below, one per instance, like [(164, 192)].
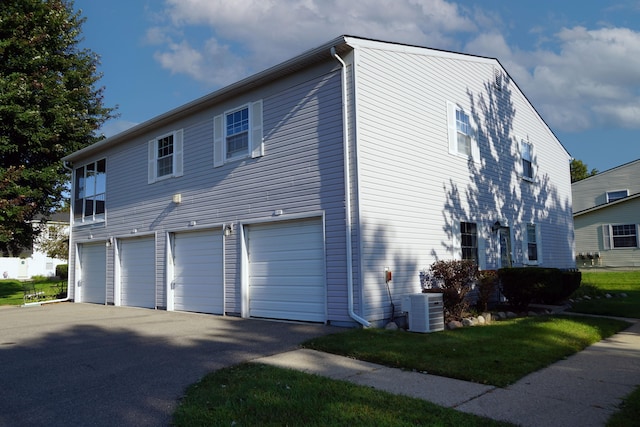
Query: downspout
[(347, 192)]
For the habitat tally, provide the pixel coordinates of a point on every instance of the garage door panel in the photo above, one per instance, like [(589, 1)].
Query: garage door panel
[(198, 272), (93, 264), (138, 272), (286, 270)]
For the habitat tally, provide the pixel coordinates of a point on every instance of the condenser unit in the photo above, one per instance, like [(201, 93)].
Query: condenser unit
[(425, 312)]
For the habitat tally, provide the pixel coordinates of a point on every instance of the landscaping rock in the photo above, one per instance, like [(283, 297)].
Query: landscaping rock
[(454, 324), (481, 320), (623, 295), (511, 315), (532, 314), (587, 297), (392, 326), (487, 317), (502, 315), (468, 321), (608, 296)]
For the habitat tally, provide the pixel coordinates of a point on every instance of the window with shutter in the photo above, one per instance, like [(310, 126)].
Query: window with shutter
[(165, 156), (237, 134)]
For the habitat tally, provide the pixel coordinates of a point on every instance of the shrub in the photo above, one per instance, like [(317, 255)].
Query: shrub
[(524, 285), (62, 271), (564, 283), (487, 284), (454, 280)]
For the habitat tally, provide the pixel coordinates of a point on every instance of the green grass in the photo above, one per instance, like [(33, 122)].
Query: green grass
[(254, 394), (629, 413), (497, 354), (598, 283), (11, 291)]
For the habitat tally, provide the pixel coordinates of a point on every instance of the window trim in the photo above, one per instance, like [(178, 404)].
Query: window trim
[(177, 156), (526, 242), (452, 109), (608, 237), (255, 143), (93, 218), (626, 191), (521, 143)]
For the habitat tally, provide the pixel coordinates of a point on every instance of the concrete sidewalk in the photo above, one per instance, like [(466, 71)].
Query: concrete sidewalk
[(582, 390)]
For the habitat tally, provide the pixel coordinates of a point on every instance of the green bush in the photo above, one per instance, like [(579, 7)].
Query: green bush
[(62, 271), (524, 285), (453, 279), (487, 285)]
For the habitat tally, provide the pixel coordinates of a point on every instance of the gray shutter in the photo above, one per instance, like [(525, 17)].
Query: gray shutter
[(257, 144), (482, 249), (475, 143), (606, 236), (539, 243), (152, 162), (177, 153), (525, 245), (218, 141)]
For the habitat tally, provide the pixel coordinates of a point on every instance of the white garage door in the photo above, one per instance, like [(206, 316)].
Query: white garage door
[(286, 270), (93, 264), (138, 272), (198, 278)]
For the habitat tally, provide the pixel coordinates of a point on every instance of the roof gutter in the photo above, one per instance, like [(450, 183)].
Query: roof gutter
[(347, 192)]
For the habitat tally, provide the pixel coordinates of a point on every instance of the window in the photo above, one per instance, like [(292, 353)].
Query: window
[(165, 156), (469, 240), (462, 133), (612, 196), (532, 243), (90, 189), (237, 134), (624, 236), (526, 154)]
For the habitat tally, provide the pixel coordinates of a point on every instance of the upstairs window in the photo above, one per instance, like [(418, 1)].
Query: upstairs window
[(165, 156), (463, 139), (90, 189), (612, 196), (469, 241), (526, 156), (237, 134)]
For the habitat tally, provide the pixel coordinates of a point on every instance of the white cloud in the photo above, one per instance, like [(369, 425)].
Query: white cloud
[(581, 78)]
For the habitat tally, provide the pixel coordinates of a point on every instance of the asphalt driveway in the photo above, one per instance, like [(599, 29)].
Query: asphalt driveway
[(91, 365)]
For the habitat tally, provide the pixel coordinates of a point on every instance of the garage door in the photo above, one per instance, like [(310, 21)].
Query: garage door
[(198, 283), (138, 272), (286, 270), (93, 283)]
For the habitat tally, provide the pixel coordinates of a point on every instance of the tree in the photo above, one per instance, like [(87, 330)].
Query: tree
[(50, 106), (579, 170)]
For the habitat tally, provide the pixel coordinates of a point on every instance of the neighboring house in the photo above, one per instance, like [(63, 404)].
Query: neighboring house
[(34, 261), (236, 203), (606, 217)]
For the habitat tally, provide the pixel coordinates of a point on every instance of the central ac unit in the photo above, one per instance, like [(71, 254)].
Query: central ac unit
[(425, 312)]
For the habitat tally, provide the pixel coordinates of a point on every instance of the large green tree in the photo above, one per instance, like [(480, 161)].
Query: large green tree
[(50, 106), (580, 171)]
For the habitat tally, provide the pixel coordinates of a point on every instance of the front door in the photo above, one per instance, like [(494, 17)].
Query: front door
[(504, 240)]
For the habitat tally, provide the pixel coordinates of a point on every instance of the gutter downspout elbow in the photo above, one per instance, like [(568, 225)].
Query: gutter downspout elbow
[(347, 192)]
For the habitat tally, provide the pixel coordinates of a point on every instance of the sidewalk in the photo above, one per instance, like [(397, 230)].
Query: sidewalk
[(582, 390)]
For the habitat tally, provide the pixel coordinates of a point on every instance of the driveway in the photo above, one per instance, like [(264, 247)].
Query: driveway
[(90, 365)]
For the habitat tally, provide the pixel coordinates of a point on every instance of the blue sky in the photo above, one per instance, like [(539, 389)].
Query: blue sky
[(577, 61)]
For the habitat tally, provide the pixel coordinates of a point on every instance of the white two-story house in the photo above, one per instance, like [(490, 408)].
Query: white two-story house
[(318, 189)]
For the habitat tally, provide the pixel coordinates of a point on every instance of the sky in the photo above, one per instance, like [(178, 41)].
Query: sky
[(577, 61)]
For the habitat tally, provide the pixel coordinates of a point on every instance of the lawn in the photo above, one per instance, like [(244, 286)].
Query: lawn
[(12, 291), (596, 284), (254, 394)]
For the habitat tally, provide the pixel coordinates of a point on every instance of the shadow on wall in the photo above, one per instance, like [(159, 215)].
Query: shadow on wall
[(495, 192)]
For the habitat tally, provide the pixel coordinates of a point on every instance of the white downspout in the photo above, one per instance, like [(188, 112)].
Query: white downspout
[(347, 192)]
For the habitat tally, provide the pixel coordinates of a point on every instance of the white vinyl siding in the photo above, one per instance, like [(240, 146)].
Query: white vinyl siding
[(238, 133), (165, 156)]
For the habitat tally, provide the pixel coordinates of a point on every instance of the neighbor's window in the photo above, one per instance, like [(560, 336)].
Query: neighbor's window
[(526, 153), (469, 241), (612, 196), (624, 236), (90, 190)]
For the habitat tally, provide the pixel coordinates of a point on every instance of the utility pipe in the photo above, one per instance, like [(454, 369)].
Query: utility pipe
[(347, 191)]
